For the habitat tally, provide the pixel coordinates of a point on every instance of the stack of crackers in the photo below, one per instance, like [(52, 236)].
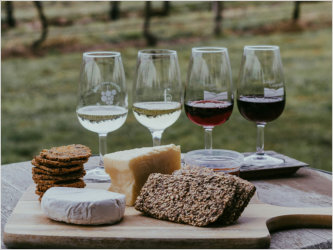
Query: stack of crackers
[(60, 167)]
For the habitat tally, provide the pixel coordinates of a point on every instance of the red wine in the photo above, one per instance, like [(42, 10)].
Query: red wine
[(260, 108), (208, 113)]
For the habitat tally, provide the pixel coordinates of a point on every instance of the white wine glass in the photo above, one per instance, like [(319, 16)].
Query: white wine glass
[(102, 105), (261, 95), (157, 92)]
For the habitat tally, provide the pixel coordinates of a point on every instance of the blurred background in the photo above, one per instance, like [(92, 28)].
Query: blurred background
[(41, 51)]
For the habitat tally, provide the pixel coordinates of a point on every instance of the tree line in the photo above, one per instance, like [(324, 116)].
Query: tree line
[(115, 14)]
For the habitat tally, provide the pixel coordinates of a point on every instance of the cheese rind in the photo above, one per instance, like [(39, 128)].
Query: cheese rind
[(83, 205), (129, 169)]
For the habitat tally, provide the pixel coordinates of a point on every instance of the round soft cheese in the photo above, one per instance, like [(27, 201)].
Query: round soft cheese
[(83, 205)]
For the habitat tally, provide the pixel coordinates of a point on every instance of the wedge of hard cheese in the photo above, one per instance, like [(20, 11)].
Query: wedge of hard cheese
[(129, 169)]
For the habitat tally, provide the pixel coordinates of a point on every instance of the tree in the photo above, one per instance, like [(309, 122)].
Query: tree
[(10, 14), (296, 12), (166, 8), (44, 23), (217, 9), (114, 10), (150, 38)]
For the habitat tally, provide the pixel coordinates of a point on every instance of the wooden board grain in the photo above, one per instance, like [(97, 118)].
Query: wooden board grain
[(28, 227)]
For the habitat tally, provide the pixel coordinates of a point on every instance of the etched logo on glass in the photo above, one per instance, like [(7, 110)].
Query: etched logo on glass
[(108, 96)]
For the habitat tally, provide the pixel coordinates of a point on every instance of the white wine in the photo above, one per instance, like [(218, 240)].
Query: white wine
[(102, 119), (157, 115)]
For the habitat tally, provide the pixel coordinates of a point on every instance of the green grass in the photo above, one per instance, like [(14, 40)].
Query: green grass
[(39, 94)]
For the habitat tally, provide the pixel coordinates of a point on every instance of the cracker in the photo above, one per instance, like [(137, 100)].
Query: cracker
[(37, 170), (49, 179), (40, 193), (66, 153), (40, 171), (57, 171), (74, 183), (50, 163), (197, 201)]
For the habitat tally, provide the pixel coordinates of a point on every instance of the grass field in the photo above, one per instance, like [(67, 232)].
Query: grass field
[(38, 93)]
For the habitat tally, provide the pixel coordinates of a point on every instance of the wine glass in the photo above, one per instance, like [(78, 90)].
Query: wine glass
[(209, 92), (102, 101), (157, 91), (261, 95)]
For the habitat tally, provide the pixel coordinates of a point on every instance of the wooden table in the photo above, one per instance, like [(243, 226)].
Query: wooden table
[(307, 188)]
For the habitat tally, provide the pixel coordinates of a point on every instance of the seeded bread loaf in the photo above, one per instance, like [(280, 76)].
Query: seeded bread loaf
[(244, 191), (195, 196), (185, 199)]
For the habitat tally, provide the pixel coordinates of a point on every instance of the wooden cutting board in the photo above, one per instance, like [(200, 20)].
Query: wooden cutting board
[(29, 228)]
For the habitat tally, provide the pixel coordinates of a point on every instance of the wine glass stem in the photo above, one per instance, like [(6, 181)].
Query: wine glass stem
[(260, 138), (208, 137), (102, 149), (157, 136)]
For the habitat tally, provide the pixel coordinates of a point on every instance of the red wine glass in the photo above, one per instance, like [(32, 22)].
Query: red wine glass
[(208, 91), (261, 95)]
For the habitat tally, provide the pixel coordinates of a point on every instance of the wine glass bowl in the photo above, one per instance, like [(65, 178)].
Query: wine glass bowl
[(157, 91), (208, 113), (102, 100), (261, 95), (209, 97)]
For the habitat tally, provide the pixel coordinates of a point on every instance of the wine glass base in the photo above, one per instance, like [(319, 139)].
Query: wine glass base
[(97, 175), (262, 160)]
